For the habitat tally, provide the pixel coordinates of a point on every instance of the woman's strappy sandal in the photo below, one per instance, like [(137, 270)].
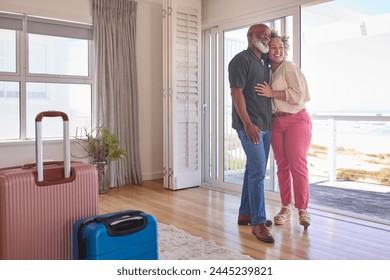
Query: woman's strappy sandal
[(283, 216), (304, 218)]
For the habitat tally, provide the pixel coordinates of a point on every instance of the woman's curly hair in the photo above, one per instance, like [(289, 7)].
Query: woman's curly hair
[(284, 39)]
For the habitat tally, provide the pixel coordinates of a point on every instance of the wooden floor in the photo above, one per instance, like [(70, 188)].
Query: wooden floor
[(212, 215)]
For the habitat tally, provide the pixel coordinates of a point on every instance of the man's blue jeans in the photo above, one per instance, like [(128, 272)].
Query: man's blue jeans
[(252, 197)]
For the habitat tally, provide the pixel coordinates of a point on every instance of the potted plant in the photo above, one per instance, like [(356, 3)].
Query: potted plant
[(102, 146)]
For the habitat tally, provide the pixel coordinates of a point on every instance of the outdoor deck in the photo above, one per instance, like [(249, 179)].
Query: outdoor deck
[(365, 201)]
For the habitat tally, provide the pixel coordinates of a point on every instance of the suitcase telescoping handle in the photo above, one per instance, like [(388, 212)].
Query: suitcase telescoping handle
[(39, 142)]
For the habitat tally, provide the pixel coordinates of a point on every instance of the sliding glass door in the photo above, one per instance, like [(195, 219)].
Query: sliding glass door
[(225, 159), (344, 58)]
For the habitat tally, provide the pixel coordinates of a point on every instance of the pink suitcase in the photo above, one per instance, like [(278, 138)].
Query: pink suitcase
[(39, 205)]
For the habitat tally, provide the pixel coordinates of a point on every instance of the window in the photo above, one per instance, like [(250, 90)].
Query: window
[(44, 65), (9, 110), (7, 50), (348, 82), (345, 59), (341, 47), (340, 43), (57, 55)]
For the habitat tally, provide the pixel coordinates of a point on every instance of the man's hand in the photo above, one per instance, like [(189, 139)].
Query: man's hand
[(252, 132)]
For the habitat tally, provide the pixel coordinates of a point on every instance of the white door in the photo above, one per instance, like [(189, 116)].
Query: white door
[(182, 96)]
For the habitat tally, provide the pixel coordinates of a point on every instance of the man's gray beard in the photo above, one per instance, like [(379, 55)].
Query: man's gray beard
[(260, 46)]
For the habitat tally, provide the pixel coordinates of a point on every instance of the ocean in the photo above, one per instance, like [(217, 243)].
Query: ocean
[(371, 137)]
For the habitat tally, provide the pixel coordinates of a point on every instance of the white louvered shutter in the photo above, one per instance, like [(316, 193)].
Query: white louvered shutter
[(182, 96)]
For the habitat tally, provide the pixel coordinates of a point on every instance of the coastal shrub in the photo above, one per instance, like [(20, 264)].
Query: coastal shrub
[(310, 154), (319, 148), (316, 150), (351, 174), (382, 176)]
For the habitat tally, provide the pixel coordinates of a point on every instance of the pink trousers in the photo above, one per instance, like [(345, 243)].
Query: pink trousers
[(290, 140)]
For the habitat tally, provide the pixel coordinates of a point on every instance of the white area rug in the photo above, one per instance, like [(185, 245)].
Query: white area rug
[(176, 244)]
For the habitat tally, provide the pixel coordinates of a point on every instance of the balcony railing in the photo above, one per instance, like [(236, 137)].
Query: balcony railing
[(350, 139), (340, 143)]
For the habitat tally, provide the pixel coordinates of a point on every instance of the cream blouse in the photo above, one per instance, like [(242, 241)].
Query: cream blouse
[(290, 78)]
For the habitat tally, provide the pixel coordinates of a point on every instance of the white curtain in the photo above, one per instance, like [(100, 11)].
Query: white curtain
[(114, 34)]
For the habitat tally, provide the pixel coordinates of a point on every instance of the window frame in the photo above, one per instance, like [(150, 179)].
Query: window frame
[(24, 25)]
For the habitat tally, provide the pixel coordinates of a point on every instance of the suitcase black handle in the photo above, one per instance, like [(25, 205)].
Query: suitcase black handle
[(118, 224), (126, 225)]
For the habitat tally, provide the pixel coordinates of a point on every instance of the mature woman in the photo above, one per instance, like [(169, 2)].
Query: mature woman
[(291, 129)]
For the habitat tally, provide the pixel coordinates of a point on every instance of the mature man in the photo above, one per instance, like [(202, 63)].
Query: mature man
[(252, 120)]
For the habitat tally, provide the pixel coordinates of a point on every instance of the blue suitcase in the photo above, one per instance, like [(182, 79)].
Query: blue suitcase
[(125, 235)]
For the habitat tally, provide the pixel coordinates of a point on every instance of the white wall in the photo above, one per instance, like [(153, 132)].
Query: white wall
[(73, 10), (150, 77), (149, 64)]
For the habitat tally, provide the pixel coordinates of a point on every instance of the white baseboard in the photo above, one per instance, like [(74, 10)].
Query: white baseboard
[(152, 176)]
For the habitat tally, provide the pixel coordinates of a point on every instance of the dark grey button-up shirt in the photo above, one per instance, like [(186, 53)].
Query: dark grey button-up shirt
[(245, 71)]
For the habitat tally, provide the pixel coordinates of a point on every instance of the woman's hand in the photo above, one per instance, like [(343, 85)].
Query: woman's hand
[(264, 90)]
